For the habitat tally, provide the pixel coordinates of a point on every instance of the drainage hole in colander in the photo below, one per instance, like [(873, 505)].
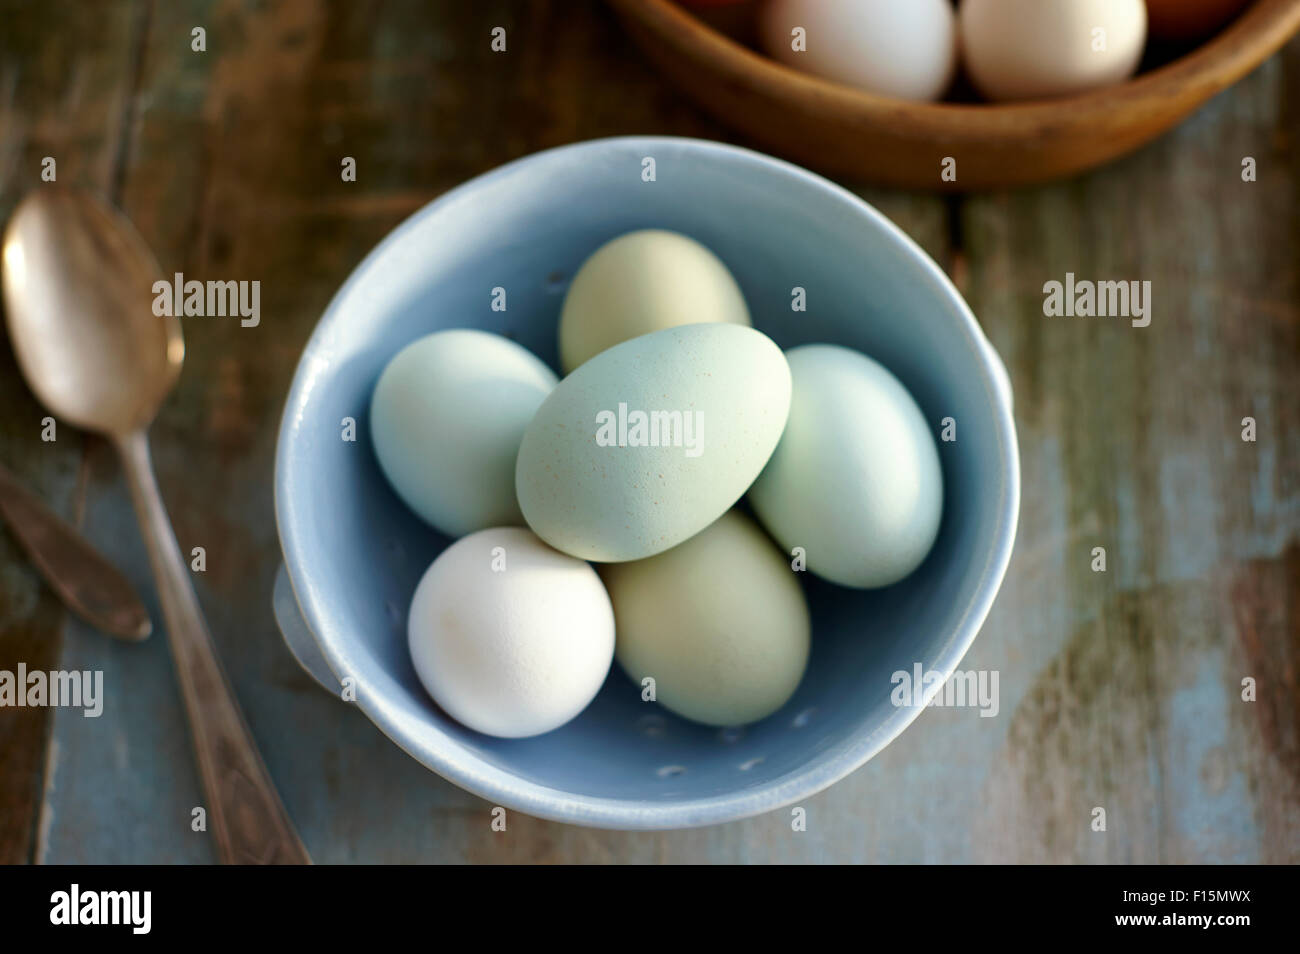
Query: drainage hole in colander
[(668, 771), (749, 764), (652, 726), (803, 718), (731, 735)]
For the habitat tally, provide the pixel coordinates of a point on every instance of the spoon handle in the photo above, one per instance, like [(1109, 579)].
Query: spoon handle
[(249, 821), (86, 582)]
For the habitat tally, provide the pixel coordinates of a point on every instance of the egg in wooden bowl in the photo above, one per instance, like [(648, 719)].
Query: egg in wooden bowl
[(900, 136)]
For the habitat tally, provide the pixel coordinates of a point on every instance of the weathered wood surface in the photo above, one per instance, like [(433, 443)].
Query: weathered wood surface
[(1119, 690)]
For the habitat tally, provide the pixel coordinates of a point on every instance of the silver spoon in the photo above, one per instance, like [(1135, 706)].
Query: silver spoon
[(78, 293)]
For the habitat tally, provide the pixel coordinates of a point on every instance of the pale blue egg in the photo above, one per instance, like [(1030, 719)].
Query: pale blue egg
[(446, 419), (652, 440), (855, 483)]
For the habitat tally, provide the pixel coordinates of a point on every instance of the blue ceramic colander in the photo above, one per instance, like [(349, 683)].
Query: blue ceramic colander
[(353, 553)]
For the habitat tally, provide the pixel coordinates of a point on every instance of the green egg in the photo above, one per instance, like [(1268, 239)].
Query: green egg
[(652, 440)]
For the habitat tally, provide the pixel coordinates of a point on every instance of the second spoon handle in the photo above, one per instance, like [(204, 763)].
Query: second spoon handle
[(85, 581), (249, 822)]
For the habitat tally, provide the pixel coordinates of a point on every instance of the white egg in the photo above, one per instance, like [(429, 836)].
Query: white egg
[(510, 637), (856, 481), (719, 622), (446, 420), (642, 282), (901, 48), (1038, 49)]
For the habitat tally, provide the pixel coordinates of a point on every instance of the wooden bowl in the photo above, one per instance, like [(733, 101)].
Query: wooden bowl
[(849, 132)]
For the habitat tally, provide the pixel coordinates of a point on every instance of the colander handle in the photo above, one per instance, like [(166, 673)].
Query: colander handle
[(299, 639)]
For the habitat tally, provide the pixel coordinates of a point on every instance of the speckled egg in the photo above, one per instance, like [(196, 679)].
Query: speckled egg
[(652, 440)]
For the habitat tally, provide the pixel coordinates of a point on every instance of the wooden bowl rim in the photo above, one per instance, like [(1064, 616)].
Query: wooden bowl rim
[(1256, 33)]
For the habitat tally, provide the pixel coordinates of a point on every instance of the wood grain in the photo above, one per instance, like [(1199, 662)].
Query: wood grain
[(1119, 690), (61, 95)]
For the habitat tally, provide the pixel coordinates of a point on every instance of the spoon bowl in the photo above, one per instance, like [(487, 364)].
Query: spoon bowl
[(93, 351)]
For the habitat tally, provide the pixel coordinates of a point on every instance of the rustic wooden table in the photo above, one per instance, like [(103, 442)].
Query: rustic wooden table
[(1120, 689)]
